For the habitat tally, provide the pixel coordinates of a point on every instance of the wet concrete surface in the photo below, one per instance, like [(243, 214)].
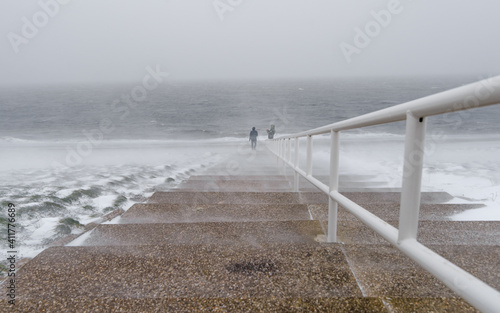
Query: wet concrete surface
[(256, 251), (236, 185), (186, 197), (384, 271), (390, 211), (190, 213), (226, 233), (202, 304), (210, 271), (375, 197), (429, 233)]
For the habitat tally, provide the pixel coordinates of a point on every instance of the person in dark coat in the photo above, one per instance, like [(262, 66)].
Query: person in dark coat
[(253, 138)]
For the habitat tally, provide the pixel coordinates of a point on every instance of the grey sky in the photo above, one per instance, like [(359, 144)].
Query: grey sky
[(110, 40)]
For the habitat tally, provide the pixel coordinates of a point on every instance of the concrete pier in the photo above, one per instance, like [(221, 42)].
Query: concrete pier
[(245, 242)]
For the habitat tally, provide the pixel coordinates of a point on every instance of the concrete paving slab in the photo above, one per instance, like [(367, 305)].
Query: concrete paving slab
[(232, 233), (229, 177), (225, 197), (390, 211), (273, 271), (375, 197), (194, 213), (384, 271), (445, 305), (429, 233), (201, 304), (235, 185)]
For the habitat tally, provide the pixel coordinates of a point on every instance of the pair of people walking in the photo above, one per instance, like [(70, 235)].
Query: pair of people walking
[(254, 134)]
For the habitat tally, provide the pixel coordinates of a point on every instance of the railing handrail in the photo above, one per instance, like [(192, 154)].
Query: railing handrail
[(479, 94), (444, 102)]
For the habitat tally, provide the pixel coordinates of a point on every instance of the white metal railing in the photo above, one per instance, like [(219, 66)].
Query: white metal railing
[(479, 94)]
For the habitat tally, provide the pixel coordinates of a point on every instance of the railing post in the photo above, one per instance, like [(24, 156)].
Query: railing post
[(296, 166), (285, 143), (289, 148), (412, 177), (309, 155), (283, 151), (334, 185)]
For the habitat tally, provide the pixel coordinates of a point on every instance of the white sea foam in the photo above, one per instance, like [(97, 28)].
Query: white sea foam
[(467, 167), (108, 179)]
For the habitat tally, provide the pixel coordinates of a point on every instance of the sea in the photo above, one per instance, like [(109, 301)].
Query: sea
[(70, 154)]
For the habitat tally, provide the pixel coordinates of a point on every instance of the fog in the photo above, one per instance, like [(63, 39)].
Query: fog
[(56, 41)]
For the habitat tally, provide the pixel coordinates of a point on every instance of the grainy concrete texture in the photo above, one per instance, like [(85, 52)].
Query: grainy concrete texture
[(220, 233), (189, 213), (247, 243)]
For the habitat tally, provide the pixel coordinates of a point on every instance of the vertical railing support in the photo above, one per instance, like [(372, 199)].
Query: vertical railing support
[(296, 166), (283, 151), (309, 155), (334, 185), (289, 148), (412, 177)]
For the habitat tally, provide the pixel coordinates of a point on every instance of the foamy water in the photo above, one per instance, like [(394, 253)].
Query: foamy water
[(46, 191), (467, 167)]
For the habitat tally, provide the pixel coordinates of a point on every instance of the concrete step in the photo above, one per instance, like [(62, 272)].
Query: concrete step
[(375, 197), (232, 233), (271, 271), (303, 183), (359, 189), (263, 183), (201, 304), (194, 213), (429, 233), (229, 177), (390, 211), (245, 169), (360, 185), (368, 189), (384, 271), (428, 304), (344, 178), (236, 185), (187, 197)]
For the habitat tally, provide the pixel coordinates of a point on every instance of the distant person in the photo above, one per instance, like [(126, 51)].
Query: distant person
[(253, 138), (271, 132)]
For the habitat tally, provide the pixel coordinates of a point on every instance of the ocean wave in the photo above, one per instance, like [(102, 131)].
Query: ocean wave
[(15, 140), (139, 143)]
